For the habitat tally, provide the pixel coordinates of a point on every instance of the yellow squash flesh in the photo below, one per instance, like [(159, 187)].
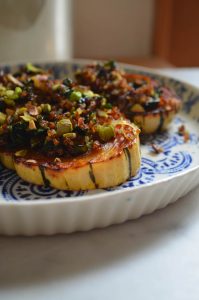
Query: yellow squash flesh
[(109, 167), (150, 123)]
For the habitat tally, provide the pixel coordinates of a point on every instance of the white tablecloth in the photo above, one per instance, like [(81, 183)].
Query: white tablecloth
[(155, 257)]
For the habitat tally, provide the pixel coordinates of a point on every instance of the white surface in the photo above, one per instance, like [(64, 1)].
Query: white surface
[(155, 257)]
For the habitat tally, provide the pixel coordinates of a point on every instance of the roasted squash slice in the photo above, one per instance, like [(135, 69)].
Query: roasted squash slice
[(59, 134), (142, 99), (112, 164)]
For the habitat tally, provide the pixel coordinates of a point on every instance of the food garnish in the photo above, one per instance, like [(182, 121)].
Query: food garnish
[(183, 131), (156, 148), (141, 98)]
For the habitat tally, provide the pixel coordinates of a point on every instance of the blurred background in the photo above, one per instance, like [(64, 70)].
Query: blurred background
[(155, 33)]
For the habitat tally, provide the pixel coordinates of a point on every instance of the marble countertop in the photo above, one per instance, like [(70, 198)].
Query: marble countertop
[(154, 257)]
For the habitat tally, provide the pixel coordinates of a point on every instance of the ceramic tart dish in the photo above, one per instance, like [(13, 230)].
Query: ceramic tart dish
[(170, 162)]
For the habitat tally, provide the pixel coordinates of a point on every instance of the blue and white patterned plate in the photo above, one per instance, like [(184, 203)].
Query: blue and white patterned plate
[(176, 166)]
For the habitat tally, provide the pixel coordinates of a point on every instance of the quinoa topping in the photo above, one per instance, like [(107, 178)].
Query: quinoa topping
[(54, 117)]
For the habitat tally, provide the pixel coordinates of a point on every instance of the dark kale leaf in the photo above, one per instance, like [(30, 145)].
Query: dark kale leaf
[(18, 135)]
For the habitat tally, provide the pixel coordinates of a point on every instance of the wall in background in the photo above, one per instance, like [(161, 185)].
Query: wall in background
[(113, 28), (35, 30), (120, 29)]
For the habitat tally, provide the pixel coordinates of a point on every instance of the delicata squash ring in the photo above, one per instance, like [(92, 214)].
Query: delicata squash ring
[(59, 134), (112, 165), (142, 99)]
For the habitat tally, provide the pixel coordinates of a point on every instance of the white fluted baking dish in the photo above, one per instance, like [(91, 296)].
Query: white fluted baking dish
[(29, 209)]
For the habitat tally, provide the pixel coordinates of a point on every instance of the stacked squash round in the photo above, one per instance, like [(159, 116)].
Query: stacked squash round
[(60, 134)]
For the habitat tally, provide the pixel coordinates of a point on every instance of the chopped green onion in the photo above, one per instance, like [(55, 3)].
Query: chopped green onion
[(21, 110), (27, 118), (8, 96), (106, 132), (31, 68), (46, 108), (9, 93), (2, 118), (75, 96), (2, 90), (18, 90), (70, 135), (88, 94), (64, 126)]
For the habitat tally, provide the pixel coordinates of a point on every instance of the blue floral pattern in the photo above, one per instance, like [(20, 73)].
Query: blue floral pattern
[(168, 163), (176, 157)]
